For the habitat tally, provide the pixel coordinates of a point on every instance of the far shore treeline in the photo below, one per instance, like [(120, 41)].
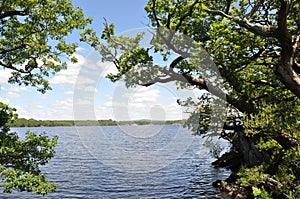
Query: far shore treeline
[(22, 122)]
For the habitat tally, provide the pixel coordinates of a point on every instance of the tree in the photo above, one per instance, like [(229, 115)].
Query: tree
[(32, 45), (255, 47)]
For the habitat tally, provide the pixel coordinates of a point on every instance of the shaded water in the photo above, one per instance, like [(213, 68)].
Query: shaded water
[(80, 173)]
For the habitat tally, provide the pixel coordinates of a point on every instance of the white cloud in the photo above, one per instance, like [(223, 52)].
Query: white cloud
[(69, 92), (83, 74), (90, 89), (62, 79), (66, 103), (142, 95), (107, 68), (83, 102), (4, 75), (84, 80), (42, 112), (141, 103), (13, 95), (104, 113), (145, 100), (137, 106), (4, 100), (80, 49), (18, 89), (23, 112), (70, 75)]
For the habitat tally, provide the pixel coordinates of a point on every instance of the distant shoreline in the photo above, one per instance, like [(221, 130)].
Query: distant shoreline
[(22, 122)]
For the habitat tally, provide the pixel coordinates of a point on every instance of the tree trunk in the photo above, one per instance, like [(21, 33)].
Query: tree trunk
[(250, 153)]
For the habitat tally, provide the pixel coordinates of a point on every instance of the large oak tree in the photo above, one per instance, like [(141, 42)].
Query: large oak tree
[(255, 47)]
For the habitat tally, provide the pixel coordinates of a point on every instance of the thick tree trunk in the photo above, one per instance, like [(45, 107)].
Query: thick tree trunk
[(250, 153), (289, 77), (244, 152)]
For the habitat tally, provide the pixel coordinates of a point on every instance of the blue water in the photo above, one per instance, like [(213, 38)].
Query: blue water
[(82, 170)]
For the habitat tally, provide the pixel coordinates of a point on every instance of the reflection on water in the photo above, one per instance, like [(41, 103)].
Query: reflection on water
[(80, 174)]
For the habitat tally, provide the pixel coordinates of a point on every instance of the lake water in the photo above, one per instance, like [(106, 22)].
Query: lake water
[(122, 163)]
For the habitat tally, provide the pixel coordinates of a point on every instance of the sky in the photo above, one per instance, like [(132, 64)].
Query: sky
[(83, 92)]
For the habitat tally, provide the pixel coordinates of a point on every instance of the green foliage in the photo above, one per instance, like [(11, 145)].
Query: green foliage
[(20, 159), (261, 193), (251, 176), (7, 116), (200, 117), (32, 46), (32, 38)]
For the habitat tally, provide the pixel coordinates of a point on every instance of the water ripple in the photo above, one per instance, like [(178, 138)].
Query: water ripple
[(81, 176)]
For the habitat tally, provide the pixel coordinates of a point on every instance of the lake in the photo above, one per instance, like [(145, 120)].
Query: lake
[(162, 161)]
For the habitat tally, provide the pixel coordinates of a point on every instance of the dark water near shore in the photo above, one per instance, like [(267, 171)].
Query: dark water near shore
[(80, 173)]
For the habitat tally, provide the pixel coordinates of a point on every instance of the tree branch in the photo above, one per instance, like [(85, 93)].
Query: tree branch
[(154, 14), (296, 67), (287, 75), (175, 62), (10, 66), (189, 13), (254, 9), (258, 30), (286, 140), (14, 13), (219, 12), (12, 49), (243, 106), (282, 17), (296, 43), (228, 4), (233, 127), (263, 82)]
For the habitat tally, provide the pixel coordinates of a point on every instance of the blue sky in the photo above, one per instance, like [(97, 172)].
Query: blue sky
[(83, 92)]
